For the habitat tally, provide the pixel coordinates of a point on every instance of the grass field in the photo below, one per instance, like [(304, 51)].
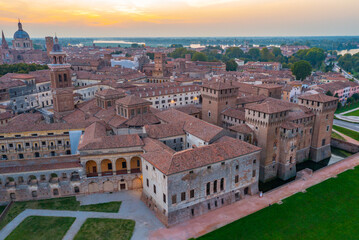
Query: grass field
[(68, 203), (326, 211), (348, 132), (41, 228), (347, 107), (337, 136), (354, 113), (105, 228)]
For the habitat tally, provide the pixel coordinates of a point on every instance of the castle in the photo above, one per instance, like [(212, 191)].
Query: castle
[(184, 165)]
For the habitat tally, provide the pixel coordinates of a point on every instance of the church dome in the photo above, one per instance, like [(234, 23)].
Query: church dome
[(21, 34)]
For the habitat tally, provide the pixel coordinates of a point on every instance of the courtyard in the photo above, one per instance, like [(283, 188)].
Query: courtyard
[(98, 212)]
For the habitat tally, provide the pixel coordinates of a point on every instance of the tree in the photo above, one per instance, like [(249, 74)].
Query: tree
[(315, 56), (277, 52), (329, 93), (180, 53), (350, 100), (151, 55), (175, 45), (266, 55), (355, 96), (199, 56), (254, 54), (234, 52), (231, 65), (301, 69)]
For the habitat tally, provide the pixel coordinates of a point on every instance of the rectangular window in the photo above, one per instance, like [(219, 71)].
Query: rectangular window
[(174, 199), (254, 172), (222, 184), (215, 186), (183, 196), (236, 179), (147, 182), (164, 198), (191, 193), (208, 188), (154, 189)]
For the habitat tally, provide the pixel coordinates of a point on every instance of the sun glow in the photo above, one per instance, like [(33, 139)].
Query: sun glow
[(181, 17)]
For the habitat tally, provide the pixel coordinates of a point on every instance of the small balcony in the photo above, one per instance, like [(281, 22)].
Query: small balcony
[(92, 174), (135, 170), (120, 172), (107, 173)]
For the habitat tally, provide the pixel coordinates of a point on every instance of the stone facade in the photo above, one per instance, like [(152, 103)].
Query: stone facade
[(181, 196)]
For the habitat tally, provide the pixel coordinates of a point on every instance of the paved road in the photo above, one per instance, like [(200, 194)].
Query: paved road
[(352, 126)]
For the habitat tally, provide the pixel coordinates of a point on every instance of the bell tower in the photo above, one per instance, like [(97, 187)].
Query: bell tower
[(61, 84)]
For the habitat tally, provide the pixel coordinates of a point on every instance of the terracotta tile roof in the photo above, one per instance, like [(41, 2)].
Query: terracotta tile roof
[(219, 85), (6, 115), (113, 142), (164, 130), (132, 100), (250, 99), (224, 149), (269, 106), (143, 119), (194, 126), (110, 93), (40, 164), (235, 113), (241, 128), (158, 154), (317, 97), (190, 109)]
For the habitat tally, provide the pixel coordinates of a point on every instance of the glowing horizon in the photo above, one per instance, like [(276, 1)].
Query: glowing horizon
[(180, 18)]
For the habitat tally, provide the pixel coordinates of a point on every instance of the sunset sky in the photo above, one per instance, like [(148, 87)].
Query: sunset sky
[(167, 18)]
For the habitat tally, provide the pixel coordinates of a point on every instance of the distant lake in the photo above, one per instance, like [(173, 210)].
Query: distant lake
[(351, 51)]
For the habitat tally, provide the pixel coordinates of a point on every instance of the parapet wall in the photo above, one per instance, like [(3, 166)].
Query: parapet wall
[(346, 146)]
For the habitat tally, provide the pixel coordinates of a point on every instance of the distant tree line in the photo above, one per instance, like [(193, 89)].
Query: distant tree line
[(20, 68), (350, 63)]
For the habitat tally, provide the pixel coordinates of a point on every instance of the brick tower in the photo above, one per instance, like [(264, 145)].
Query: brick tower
[(61, 84), (159, 65), (216, 97), (49, 44), (323, 107)]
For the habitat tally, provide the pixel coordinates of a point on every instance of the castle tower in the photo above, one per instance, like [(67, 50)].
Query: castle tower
[(159, 65), (22, 39), (49, 44), (323, 107), (216, 97), (61, 84), (266, 120)]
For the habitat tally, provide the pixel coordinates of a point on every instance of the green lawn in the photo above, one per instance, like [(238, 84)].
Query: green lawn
[(41, 228), (328, 210), (105, 228), (337, 136), (67, 203), (354, 113), (348, 132), (347, 107)]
